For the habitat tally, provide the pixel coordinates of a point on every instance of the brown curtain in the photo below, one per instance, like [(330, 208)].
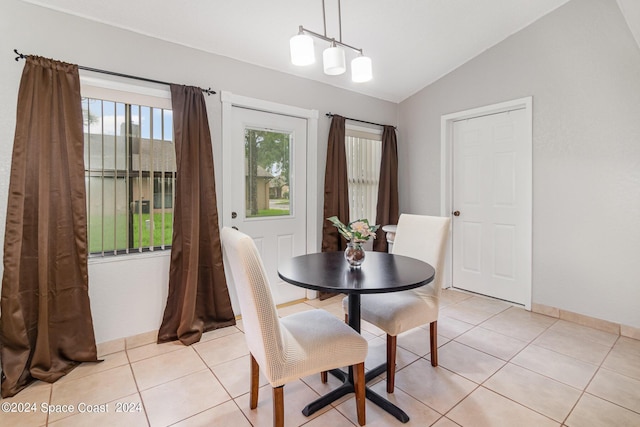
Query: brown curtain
[(336, 191), (336, 187), (198, 298), (388, 209), (46, 326)]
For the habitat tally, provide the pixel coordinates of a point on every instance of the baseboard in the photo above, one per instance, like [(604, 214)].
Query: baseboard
[(151, 337), (122, 344), (592, 322)]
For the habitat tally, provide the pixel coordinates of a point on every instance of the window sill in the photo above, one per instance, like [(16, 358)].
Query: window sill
[(128, 257)]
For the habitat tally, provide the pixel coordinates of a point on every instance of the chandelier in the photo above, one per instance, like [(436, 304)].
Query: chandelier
[(333, 57)]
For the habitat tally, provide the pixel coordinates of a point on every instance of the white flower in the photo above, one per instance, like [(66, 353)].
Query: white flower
[(358, 231)]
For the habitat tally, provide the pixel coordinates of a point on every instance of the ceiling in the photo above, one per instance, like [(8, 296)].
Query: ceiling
[(412, 43)]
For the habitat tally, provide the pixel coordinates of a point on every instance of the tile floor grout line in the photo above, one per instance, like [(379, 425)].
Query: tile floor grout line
[(591, 380), (502, 333), (135, 381), (84, 377), (462, 400), (242, 412), (210, 368), (399, 386), (573, 407), (522, 404), (531, 342), (562, 354), (46, 420), (609, 401), (491, 315), (154, 355), (551, 378), (482, 351)]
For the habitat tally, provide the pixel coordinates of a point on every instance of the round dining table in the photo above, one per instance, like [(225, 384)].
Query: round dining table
[(380, 273)]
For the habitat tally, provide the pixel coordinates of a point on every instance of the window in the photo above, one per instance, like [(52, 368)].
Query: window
[(267, 180), (364, 153), (130, 176)]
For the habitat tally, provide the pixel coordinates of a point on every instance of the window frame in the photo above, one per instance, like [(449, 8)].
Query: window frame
[(143, 96), (372, 134)]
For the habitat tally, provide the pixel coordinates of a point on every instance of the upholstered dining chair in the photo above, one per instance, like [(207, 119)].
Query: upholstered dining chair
[(425, 238), (292, 347)]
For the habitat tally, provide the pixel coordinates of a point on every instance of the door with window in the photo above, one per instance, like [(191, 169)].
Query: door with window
[(492, 205), (266, 155)]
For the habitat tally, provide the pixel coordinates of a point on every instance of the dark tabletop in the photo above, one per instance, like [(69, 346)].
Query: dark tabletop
[(380, 273)]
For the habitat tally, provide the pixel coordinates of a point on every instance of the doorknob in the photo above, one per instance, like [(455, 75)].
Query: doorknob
[(456, 213), (234, 215)]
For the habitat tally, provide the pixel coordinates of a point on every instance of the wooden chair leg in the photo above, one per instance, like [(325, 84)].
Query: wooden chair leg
[(278, 406), (253, 393), (323, 377), (433, 331), (359, 385), (391, 362)]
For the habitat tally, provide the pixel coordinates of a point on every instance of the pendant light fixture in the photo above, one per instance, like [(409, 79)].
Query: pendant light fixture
[(302, 52), (361, 70), (333, 60), (333, 57)]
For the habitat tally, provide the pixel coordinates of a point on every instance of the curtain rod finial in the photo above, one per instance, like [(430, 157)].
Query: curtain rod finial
[(209, 91), (20, 56)]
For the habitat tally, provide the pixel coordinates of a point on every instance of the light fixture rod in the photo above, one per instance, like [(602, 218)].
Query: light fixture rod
[(301, 29), (340, 21), (324, 19)]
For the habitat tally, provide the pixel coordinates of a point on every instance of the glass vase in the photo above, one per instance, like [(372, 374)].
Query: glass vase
[(354, 254)]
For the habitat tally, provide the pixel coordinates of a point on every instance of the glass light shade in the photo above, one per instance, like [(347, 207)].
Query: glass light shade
[(302, 52), (333, 60), (361, 70)]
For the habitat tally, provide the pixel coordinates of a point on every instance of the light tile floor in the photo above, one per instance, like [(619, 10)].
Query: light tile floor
[(499, 366)]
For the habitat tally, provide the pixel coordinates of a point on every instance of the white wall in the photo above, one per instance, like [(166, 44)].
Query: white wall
[(579, 63), (128, 295), (582, 67)]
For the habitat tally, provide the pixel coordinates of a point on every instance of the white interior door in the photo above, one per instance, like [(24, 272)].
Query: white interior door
[(265, 188), (491, 232)]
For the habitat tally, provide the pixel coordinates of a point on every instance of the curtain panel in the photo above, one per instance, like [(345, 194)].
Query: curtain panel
[(46, 325), (388, 209), (336, 187), (198, 299)]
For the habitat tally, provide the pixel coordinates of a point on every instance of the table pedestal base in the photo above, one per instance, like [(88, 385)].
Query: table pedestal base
[(347, 387)]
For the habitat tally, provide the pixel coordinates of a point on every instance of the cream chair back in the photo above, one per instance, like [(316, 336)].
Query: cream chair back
[(259, 316), (424, 238)]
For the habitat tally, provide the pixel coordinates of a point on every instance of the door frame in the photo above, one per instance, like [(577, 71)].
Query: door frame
[(446, 171), (230, 100)]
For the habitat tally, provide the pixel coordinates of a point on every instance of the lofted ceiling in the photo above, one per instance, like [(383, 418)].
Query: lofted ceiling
[(412, 43)]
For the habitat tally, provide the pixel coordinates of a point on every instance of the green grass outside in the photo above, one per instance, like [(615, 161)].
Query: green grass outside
[(269, 212), (96, 230)]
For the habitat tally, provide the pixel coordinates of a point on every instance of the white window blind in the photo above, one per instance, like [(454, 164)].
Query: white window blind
[(364, 151)]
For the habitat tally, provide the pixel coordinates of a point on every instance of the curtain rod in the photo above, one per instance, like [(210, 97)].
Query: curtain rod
[(113, 73), (329, 114)]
